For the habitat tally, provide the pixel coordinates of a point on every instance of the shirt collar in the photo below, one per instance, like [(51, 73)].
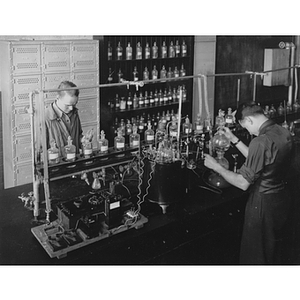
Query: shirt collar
[(265, 125)]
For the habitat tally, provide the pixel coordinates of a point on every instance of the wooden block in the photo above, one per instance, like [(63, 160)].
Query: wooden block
[(276, 59)]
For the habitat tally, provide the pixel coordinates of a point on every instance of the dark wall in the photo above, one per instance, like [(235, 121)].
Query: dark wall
[(237, 54)]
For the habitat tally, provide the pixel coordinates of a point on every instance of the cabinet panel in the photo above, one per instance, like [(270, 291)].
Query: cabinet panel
[(85, 79), (56, 57), (22, 174), (85, 56), (88, 110), (52, 81), (22, 149), (22, 86), (21, 120), (26, 58)]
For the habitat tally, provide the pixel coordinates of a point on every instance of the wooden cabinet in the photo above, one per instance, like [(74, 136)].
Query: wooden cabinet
[(138, 66)]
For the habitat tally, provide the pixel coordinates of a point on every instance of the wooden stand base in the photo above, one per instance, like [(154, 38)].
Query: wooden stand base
[(57, 242)]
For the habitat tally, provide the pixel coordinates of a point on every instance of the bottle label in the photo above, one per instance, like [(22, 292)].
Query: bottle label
[(173, 133), (135, 143), (229, 120), (70, 156), (154, 76), (187, 130), (123, 105), (53, 156), (103, 148), (150, 137), (141, 127), (199, 127), (88, 151), (120, 145), (147, 54)]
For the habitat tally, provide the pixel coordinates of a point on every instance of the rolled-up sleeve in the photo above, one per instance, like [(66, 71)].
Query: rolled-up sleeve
[(255, 161)]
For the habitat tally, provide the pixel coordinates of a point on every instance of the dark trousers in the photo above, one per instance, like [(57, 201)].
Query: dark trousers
[(264, 227)]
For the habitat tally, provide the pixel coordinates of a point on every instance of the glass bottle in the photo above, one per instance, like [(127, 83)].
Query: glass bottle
[(149, 135), (182, 71), (141, 100), (147, 51), (146, 74), (146, 99), (119, 51), (160, 97), (129, 101), (166, 98), (154, 73), (110, 77), (119, 141), (174, 95), (163, 72), (220, 119), (117, 102), (272, 111), (109, 51), (122, 127), (280, 110), (141, 125), (173, 127), (229, 119), (87, 147), (267, 111), (138, 51), (120, 76), (163, 50), (122, 103), (135, 74), (103, 143), (171, 50), (177, 49), (151, 98), (134, 138), (53, 153), (184, 93), (176, 72), (154, 50), (170, 73), (289, 108), (156, 99), (135, 101), (128, 128), (128, 52), (170, 98), (183, 49), (187, 126), (198, 125), (70, 151)]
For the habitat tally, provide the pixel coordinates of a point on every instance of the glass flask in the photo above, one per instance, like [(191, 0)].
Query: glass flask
[(134, 138), (70, 151), (53, 153), (103, 143)]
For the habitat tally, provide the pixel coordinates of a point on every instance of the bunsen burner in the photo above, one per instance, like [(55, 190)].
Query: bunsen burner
[(167, 182)]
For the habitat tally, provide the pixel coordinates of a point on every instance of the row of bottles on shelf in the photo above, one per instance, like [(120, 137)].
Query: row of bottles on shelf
[(156, 98), (272, 112), (173, 50), (163, 73)]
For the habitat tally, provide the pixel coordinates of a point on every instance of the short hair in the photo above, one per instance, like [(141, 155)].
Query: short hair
[(65, 85), (248, 109)]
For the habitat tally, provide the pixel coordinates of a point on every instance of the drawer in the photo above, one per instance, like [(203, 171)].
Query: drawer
[(85, 56), (22, 173), (88, 110), (52, 81), (86, 79), (21, 120), (22, 149), (26, 58)]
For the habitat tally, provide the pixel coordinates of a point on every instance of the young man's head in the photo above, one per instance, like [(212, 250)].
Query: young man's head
[(250, 116), (67, 99)]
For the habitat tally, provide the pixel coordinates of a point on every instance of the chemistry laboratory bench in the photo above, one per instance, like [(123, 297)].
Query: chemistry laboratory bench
[(204, 228)]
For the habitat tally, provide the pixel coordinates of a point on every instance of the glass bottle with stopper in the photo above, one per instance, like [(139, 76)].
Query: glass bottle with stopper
[(103, 143), (53, 153), (86, 142), (134, 138), (70, 151)]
